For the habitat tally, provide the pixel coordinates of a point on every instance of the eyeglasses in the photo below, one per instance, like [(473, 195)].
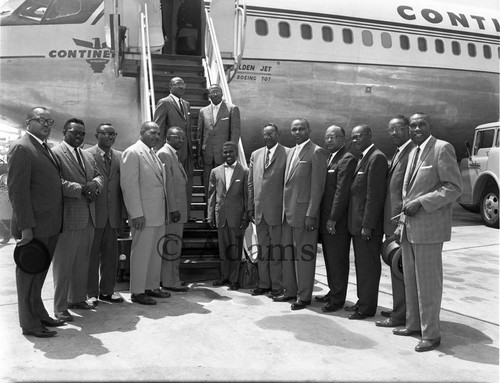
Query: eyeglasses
[(109, 134), (43, 121), (180, 138), (421, 124), (332, 137), (77, 133), (178, 85), (357, 136), (268, 135)]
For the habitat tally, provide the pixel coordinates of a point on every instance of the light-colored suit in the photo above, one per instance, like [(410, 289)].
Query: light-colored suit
[(303, 190), (393, 206), (142, 180), (110, 213), (177, 201), (72, 254), (265, 199), (227, 208), (37, 202), (436, 183), (213, 131)]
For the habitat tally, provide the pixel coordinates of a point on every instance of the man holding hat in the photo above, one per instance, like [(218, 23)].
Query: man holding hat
[(35, 193)]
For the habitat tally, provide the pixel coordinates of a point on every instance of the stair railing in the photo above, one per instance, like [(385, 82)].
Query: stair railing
[(146, 77), (239, 35)]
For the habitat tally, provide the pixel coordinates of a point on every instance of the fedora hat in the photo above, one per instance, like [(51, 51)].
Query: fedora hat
[(32, 258), (391, 254)]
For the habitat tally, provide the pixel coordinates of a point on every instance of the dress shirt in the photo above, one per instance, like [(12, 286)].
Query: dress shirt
[(178, 100), (400, 149), (215, 110), (73, 152), (228, 172), (366, 151), (332, 156), (271, 153)]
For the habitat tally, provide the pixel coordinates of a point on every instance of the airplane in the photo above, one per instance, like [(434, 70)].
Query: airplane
[(331, 62)]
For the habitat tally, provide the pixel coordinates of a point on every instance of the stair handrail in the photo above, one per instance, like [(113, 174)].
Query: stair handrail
[(116, 39), (239, 36), (147, 86)]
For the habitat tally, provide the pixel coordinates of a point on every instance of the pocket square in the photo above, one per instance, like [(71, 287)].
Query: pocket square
[(302, 162), (361, 172), (237, 180), (225, 118), (331, 171), (426, 167)]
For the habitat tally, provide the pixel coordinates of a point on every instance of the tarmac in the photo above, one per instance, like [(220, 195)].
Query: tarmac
[(214, 334)]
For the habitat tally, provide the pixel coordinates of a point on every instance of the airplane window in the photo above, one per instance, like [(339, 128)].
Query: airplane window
[(386, 40), (347, 36), (367, 38), (487, 51), (422, 44), (455, 48), (404, 42), (439, 46), (284, 29), (261, 27), (472, 49), (306, 31), (327, 34)]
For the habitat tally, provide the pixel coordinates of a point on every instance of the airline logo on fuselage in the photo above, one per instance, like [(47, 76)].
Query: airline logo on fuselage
[(97, 54)]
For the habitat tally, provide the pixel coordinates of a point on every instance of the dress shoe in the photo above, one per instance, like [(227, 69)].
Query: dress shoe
[(40, 332), (330, 308), (220, 282), (276, 293), (192, 219), (283, 298), (113, 298), (358, 315), (50, 322), (157, 293), (322, 298), (386, 314), (351, 308), (427, 344), (64, 316), (299, 304), (389, 322), (143, 299), (260, 291), (85, 305), (234, 286), (405, 332), (180, 289)]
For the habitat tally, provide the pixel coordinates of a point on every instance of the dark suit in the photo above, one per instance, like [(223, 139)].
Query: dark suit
[(366, 206), (37, 202), (167, 114), (227, 208), (436, 183), (72, 254), (393, 206), (110, 212), (304, 186), (334, 206), (265, 199), (213, 131)]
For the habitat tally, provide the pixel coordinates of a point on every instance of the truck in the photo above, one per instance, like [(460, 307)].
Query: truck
[(480, 174)]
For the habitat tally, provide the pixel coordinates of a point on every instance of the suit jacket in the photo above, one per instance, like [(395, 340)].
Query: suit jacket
[(366, 202), (77, 209), (176, 179), (168, 114), (304, 184), (436, 183), (213, 131), (143, 185), (335, 202), (35, 190), (109, 203), (227, 203), (265, 185), (394, 195)]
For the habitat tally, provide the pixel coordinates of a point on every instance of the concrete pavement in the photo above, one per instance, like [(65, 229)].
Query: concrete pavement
[(213, 334)]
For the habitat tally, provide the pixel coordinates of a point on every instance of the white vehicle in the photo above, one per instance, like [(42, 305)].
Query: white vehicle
[(480, 174)]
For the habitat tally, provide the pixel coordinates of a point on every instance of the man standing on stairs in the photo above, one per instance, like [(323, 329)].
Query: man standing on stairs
[(171, 111), (218, 123)]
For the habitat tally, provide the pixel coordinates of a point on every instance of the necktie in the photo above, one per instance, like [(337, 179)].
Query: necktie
[(268, 158), (294, 160), (155, 158), (50, 152), (79, 159), (107, 161), (414, 162), (329, 159), (180, 107), (394, 157), (360, 158)]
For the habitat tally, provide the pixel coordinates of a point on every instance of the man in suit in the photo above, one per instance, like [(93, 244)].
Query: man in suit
[(218, 122), (336, 239), (227, 202), (37, 209), (173, 110), (305, 175), (399, 132), (143, 183), (177, 202), (82, 184), (109, 211), (432, 182), (365, 220), (265, 207)]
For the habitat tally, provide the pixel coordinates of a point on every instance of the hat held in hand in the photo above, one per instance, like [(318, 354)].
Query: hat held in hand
[(32, 258)]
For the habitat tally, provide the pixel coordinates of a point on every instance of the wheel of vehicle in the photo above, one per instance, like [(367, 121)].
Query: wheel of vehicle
[(471, 208), (489, 206)]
